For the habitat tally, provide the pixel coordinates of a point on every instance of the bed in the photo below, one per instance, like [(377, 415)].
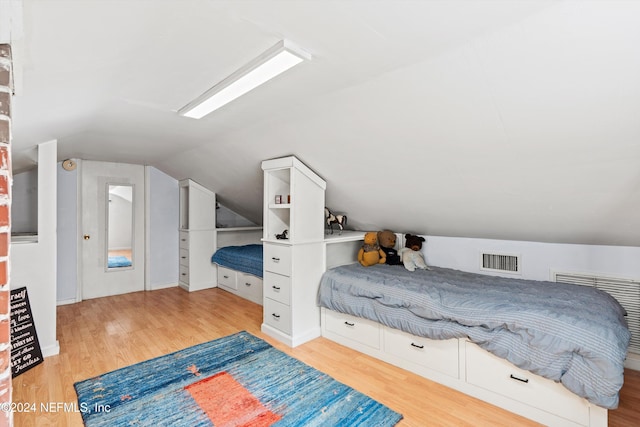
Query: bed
[(240, 270), (570, 334)]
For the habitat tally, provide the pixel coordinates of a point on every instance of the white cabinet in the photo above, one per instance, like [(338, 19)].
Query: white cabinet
[(492, 373), (239, 283), (293, 201), (197, 236)]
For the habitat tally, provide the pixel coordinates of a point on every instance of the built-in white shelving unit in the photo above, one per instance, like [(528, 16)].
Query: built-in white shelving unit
[(197, 236)]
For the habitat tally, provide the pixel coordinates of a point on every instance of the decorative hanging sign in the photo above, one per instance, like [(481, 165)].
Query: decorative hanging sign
[(25, 348)]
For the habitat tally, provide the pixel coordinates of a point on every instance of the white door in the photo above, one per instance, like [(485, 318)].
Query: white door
[(112, 240)]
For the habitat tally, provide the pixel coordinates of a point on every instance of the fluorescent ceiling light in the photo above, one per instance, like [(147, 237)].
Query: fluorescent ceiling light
[(278, 59)]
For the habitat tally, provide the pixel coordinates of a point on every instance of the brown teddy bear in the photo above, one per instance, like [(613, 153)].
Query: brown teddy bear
[(387, 242), (370, 252), (411, 254)]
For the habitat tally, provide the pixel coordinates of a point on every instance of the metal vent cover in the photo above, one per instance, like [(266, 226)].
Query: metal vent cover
[(505, 263), (625, 291)]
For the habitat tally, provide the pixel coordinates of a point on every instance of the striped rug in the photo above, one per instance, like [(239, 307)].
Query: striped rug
[(239, 380)]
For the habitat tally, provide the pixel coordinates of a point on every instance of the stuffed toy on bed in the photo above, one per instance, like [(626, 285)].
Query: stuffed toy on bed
[(411, 254), (370, 252), (387, 242)]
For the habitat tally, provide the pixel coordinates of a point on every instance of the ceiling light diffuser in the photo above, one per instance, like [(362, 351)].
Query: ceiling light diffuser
[(278, 59)]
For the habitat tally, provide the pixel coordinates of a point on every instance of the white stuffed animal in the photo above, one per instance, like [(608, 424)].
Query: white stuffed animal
[(411, 254)]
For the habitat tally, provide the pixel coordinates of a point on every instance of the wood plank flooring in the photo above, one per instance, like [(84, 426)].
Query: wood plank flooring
[(100, 335)]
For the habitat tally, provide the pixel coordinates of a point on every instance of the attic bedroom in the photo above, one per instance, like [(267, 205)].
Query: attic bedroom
[(431, 205)]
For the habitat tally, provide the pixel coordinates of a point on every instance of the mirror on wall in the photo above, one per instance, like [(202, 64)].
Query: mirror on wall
[(119, 226)]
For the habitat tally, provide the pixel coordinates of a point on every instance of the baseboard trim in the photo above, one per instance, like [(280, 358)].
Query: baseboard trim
[(51, 350), (67, 301), (632, 361), (163, 286)]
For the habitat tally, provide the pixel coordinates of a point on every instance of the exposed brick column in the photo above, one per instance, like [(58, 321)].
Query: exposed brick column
[(6, 418)]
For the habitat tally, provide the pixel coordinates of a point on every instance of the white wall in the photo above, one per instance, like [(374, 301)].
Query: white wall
[(538, 260), (24, 202), (33, 264), (162, 229), (67, 235)]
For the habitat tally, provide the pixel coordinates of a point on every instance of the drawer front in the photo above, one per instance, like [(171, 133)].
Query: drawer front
[(277, 287), (184, 240), (184, 274), (277, 315), (498, 375), (227, 278), (184, 257), (249, 286), (277, 259), (439, 355), (354, 328)]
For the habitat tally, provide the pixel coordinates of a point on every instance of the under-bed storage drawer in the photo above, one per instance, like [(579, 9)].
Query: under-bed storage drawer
[(439, 355), (249, 287), (227, 278), (354, 328), (498, 375)]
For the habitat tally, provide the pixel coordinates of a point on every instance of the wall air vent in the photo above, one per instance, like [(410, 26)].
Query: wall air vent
[(626, 291), (503, 263)]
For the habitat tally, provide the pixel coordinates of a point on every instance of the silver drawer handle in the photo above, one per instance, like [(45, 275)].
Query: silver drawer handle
[(183, 257), (349, 324), (226, 277), (184, 274), (277, 316), (275, 259), (247, 284), (276, 288), (416, 345), (524, 380)]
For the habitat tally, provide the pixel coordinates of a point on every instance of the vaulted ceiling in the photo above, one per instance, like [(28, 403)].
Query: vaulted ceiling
[(498, 119)]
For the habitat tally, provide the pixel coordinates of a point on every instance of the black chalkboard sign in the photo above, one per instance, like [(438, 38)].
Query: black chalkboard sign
[(25, 348)]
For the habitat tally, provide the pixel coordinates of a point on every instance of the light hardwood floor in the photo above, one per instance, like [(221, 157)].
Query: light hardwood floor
[(100, 335)]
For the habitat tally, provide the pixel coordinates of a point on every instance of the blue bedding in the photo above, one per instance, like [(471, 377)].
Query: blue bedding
[(573, 334), (118, 261), (246, 258)]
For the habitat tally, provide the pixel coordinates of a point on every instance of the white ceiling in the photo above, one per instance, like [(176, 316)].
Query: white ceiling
[(497, 119)]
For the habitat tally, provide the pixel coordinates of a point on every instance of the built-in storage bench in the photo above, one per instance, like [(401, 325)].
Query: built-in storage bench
[(462, 365)]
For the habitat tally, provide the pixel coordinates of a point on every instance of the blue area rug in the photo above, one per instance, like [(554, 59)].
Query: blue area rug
[(232, 381)]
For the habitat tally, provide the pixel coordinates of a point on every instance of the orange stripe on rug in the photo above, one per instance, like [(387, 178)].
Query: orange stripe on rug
[(227, 403)]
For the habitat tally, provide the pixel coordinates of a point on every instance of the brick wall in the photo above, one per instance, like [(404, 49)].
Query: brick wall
[(5, 235)]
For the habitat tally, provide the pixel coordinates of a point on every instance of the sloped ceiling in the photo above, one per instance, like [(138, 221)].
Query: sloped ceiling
[(497, 119)]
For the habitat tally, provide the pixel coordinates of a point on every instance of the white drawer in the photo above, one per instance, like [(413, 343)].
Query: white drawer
[(277, 315), (184, 257), (277, 259), (249, 287), (227, 278), (354, 328), (439, 355), (277, 287), (184, 240), (184, 274), (498, 375)]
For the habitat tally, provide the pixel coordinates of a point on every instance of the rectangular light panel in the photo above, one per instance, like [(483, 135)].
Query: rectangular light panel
[(278, 59)]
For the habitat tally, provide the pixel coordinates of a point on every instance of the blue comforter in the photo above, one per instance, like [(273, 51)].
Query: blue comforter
[(569, 333), (246, 258)]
